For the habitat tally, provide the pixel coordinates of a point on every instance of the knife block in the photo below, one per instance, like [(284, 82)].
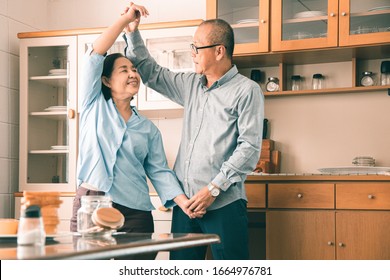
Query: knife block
[(269, 161)]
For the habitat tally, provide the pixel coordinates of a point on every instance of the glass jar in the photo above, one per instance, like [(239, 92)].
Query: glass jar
[(272, 84), (296, 82), (318, 81), (367, 79), (31, 231), (85, 226)]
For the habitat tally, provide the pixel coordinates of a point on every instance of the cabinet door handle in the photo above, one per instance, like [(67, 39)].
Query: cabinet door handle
[(71, 114), (330, 243), (300, 195), (343, 14), (262, 21), (370, 196), (341, 244), (332, 14)]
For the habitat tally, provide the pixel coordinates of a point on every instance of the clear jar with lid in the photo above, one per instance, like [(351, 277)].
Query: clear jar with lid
[(296, 82), (367, 79), (272, 84), (85, 225), (318, 81)]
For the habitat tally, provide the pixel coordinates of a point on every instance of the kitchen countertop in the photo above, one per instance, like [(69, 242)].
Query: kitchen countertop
[(73, 246), (282, 177)]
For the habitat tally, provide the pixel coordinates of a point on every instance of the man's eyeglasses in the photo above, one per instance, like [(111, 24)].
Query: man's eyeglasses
[(195, 48)]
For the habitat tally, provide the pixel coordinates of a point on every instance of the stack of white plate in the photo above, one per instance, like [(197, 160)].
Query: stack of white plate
[(363, 161), (57, 72), (308, 14)]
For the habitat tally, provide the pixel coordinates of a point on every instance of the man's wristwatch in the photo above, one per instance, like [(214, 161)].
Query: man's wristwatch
[(214, 190)]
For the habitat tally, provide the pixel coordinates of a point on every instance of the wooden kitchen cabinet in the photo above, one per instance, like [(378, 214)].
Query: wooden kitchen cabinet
[(162, 218), (300, 235), (304, 37), (363, 235), (48, 123), (50, 67), (249, 20), (302, 25), (338, 220)]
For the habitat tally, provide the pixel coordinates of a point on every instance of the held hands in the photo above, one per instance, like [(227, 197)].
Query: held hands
[(133, 14), (201, 200), (183, 202)]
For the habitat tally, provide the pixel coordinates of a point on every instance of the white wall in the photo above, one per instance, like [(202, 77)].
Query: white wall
[(69, 14), (15, 16)]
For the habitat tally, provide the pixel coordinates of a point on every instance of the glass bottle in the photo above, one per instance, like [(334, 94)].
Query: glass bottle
[(296, 82), (318, 81), (385, 73), (85, 225), (31, 231)]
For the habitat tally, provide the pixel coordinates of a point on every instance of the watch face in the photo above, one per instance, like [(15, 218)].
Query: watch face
[(215, 192), (367, 81), (272, 86)]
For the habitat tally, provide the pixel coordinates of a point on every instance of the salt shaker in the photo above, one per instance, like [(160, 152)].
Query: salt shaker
[(31, 231)]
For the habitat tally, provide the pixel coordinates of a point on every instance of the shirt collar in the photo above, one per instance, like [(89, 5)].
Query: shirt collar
[(225, 78)]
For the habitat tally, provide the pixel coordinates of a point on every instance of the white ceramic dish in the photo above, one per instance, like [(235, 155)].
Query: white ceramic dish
[(59, 147), (308, 14), (56, 108), (248, 20), (346, 170), (57, 72), (379, 8)]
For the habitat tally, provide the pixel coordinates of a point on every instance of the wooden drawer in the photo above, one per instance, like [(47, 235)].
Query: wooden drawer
[(301, 195), (255, 194), (363, 196), (160, 213)]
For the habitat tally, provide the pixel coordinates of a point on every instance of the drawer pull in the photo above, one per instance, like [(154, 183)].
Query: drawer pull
[(370, 196), (163, 209), (330, 243), (341, 244), (300, 195)]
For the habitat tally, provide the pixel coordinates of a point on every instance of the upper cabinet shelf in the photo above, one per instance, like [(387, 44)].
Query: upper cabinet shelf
[(56, 81), (283, 38)]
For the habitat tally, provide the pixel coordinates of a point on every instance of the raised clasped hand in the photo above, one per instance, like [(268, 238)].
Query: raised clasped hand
[(134, 13)]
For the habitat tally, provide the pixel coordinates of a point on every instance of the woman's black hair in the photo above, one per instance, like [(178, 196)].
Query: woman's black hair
[(108, 67)]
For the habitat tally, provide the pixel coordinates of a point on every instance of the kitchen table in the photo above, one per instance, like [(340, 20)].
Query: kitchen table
[(73, 246)]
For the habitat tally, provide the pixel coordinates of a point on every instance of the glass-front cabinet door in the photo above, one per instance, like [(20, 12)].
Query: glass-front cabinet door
[(364, 22), (249, 19), (48, 114), (304, 24)]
